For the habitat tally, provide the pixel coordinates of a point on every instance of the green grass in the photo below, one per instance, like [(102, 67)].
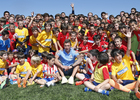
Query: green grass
[(59, 92)]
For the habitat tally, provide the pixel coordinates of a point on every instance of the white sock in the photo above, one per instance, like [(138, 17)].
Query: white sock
[(100, 90)]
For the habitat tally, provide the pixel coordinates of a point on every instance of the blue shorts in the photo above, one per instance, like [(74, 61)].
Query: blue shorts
[(1, 75), (21, 77), (87, 76), (125, 82), (138, 57), (48, 79), (82, 67), (38, 78), (68, 72), (95, 83)]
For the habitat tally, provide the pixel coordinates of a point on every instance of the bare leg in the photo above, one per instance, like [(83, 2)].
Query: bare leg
[(61, 72), (104, 87), (74, 71), (80, 76), (89, 85), (41, 81)]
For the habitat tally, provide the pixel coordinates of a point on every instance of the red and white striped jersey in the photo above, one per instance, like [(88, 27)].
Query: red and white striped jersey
[(49, 70)]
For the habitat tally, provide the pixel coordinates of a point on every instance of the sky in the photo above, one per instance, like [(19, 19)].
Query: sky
[(25, 7)]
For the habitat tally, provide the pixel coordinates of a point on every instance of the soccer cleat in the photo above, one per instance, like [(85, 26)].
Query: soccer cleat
[(87, 89), (138, 95), (71, 80), (64, 80), (104, 92), (28, 83), (4, 83), (24, 83), (19, 81), (79, 83)]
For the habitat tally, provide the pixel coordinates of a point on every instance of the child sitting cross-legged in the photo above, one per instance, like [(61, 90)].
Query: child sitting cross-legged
[(50, 72)]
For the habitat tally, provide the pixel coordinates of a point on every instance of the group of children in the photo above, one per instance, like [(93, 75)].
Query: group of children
[(109, 49)]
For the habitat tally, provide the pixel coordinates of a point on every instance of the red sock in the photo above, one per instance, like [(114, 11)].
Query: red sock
[(85, 79)]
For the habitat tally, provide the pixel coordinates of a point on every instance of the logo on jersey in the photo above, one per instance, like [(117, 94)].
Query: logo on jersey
[(71, 56), (122, 71), (24, 67)]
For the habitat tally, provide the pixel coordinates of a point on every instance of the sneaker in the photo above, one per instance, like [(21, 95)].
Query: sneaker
[(48, 84), (4, 83), (104, 92), (41, 86), (112, 88), (71, 80), (79, 83), (87, 89), (64, 80), (13, 82), (138, 95)]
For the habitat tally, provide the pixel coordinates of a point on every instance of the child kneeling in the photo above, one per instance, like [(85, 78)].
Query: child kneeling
[(50, 73), (100, 75)]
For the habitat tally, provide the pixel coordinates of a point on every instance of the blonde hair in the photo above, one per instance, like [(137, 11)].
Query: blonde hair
[(36, 59)]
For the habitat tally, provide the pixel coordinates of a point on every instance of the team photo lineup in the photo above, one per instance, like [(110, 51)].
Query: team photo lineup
[(102, 53)]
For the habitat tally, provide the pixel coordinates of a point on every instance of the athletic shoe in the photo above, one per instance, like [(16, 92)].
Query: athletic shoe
[(138, 95), (79, 83), (64, 80), (4, 83), (112, 88), (48, 84), (87, 89), (71, 80), (41, 86), (104, 92)]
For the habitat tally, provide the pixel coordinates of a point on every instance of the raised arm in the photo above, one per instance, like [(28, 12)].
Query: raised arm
[(72, 5)]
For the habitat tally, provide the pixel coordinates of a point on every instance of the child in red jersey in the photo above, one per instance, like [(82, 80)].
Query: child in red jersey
[(44, 57), (99, 81), (62, 36), (80, 36), (84, 45), (11, 64), (91, 62), (31, 53), (102, 34)]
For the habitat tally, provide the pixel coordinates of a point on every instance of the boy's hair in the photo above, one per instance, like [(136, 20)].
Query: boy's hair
[(36, 59), (10, 53), (32, 50), (85, 22), (6, 12), (96, 37), (44, 54), (47, 23), (40, 20), (121, 26), (118, 37), (112, 42), (82, 32), (45, 14), (11, 24), (5, 32), (67, 41), (85, 37), (75, 27), (55, 29), (133, 21), (100, 28), (21, 55), (94, 52), (103, 58), (2, 52), (115, 52), (72, 33), (113, 33), (64, 26), (35, 28), (50, 56)]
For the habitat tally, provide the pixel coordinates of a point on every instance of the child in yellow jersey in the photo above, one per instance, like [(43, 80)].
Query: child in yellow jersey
[(121, 71), (22, 38), (44, 39), (137, 88), (32, 39), (54, 47), (99, 81), (73, 40), (23, 70), (3, 70), (37, 69), (50, 72)]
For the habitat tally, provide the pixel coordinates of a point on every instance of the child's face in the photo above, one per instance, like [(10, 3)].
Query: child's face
[(85, 40), (84, 25), (35, 33), (20, 25), (76, 30), (10, 56), (45, 59), (47, 28), (116, 26), (51, 62), (102, 25), (79, 35), (6, 37), (69, 29), (56, 33), (27, 21), (133, 26), (113, 36), (53, 24), (40, 23), (21, 60), (12, 28), (58, 24), (73, 37), (76, 23), (118, 58), (118, 43), (110, 58), (91, 57), (11, 20), (34, 23), (92, 29), (15, 55), (123, 19), (4, 57), (100, 32), (81, 19), (64, 31), (111, 46), (97, 42)]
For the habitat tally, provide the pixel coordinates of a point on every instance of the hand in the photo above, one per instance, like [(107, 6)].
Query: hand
[(6, 27), (32, 13), (55, 76), (72, 5), (119, 81), (33, 18), (61, 49), (128, 33), (30, 80), (66, 68), (96, 88), (23, 44), (91, 80), (106, 16), (43, 46)]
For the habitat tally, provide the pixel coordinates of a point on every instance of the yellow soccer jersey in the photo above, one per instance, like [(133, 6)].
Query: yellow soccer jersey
[(73, 43), (2, 66), (22, 33), (45, 38), (98, 74), (139, 78), (54, 39), (22, 69), (38, 68), (32, 40), (123, 70), (121, 35)]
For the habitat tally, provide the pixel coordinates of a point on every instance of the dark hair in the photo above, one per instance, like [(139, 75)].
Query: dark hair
[(85, 22), (133, 21), (21, 55), (115, 52), (113, 33), (47, 23), (118, 37), (64, 26), (94, 52), (11, 24), (112, 42), (75, 27), (55, 29), (6, 12), (5, 32), (100, 28), (10, 53), (96, 37), (35, 28), (67, 41), (72, 33), (45, 15), (103, 13), (50, 56), (44, 54), (82, 32), (103, 58), (57, 15), (2, 52)]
